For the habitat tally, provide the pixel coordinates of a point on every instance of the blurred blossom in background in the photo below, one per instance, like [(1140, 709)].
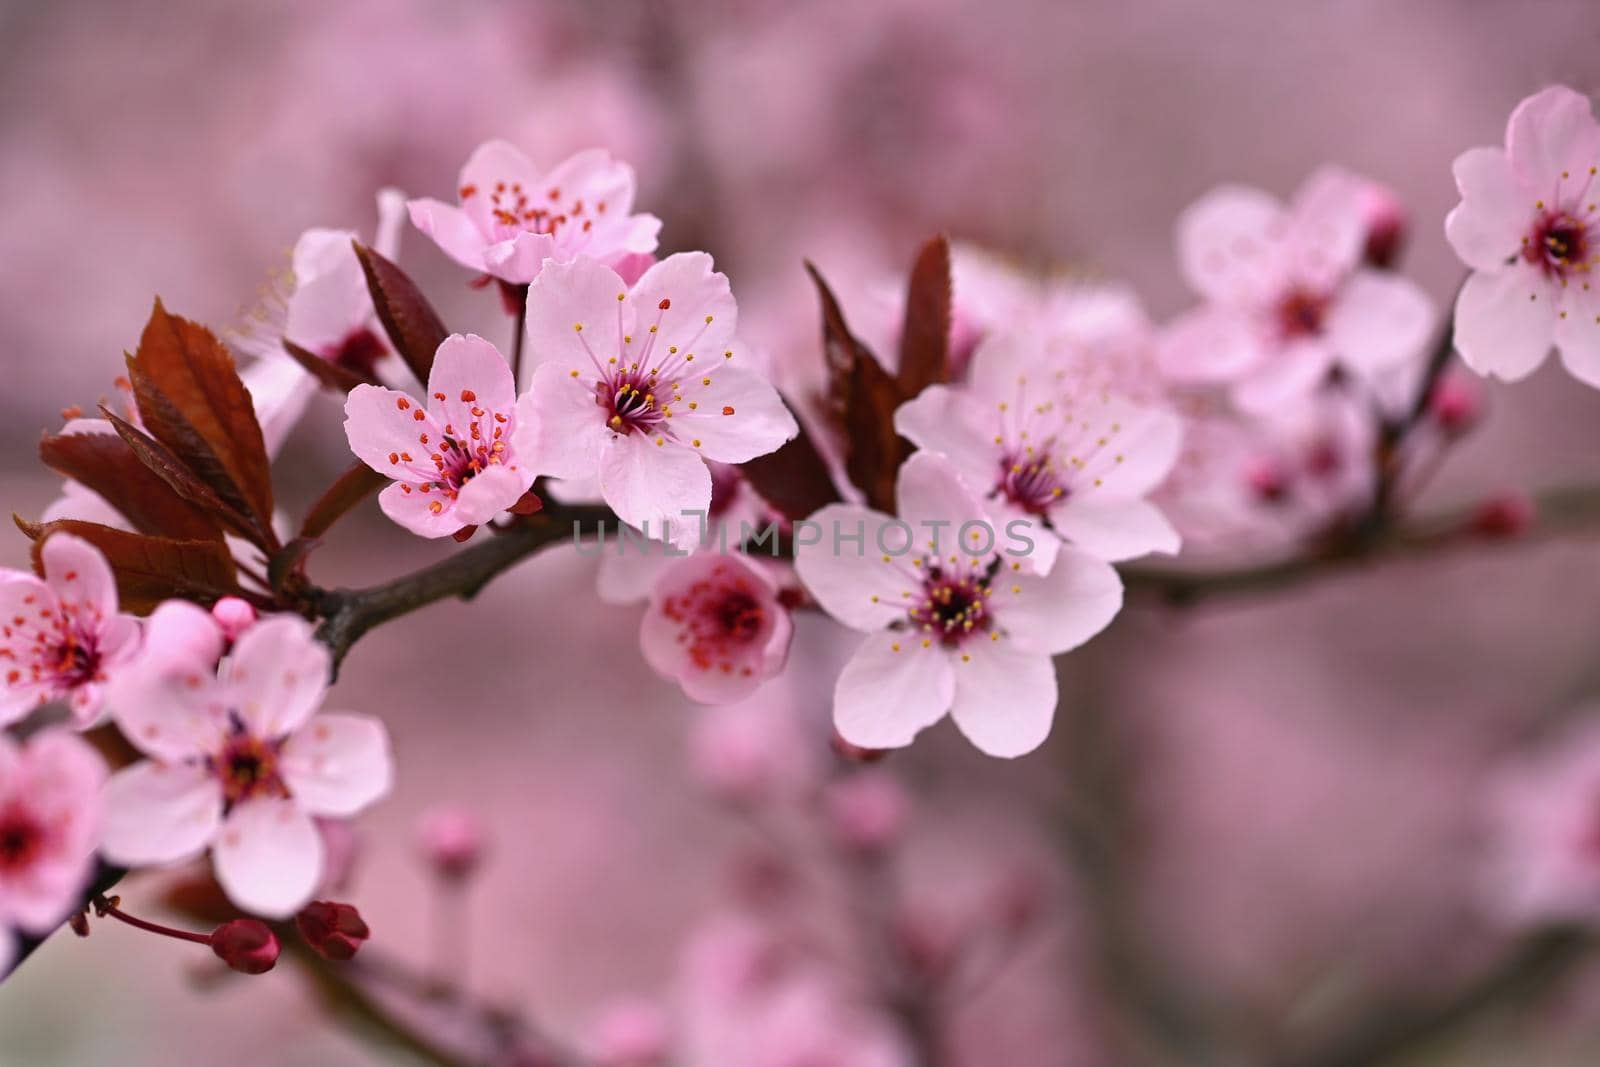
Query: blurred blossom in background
[(1308, 795)]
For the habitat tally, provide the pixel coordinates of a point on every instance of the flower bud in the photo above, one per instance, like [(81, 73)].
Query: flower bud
[(1387, 226), (866, 812), (452, 842), (246, 945), (1508, 515), (234, 615), (335, 930), (1456, 403)]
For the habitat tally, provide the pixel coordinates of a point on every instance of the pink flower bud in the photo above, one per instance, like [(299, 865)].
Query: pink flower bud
[(234, 615), (335, 930), (1387, 226), (1508, 515), (1456, 403), (246, 945), (867, 811), (452, 842)]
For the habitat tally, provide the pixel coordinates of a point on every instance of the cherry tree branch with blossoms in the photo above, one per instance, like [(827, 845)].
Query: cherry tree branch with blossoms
[(957, 496)]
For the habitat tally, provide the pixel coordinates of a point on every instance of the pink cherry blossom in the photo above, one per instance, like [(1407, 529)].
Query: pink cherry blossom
[(62, 637), (49, 825), (1287, 298), (239, 760), (956, 627), (323, 306), (459, 459), (1528, 227), (1048, 450), (511, 218), (715, 626), (641, 386)]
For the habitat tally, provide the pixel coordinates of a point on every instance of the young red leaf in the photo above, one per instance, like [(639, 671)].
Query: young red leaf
[(794, 479), (149, 569), (414, 328), (106, 464), (334, 376), (865, 397), (171, 471), (349, 489), (925, 331), (191, 399)]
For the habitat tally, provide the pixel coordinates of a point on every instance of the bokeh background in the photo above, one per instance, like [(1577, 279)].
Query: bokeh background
[(1297, 781)]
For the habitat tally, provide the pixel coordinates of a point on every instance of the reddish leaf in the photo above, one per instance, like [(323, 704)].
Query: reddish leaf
[(865, 396), (107, 464), (414, 328), (334, 376), (191, 400), (925, 331), (158, 460), (348, 490), (794, 479), (149, 569)]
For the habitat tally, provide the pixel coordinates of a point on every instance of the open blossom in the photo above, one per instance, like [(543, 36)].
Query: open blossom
[(715, 626), (1046, 450), (62, 637), (511, 218), (1529, 228), (239, 761), (1287, 296), (459, 459), (323, 306), (954, 625), (642, 387), (49, 823)]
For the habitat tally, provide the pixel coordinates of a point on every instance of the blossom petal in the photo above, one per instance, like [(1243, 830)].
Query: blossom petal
[(330, 298), (490, 492), (495, 167), (653, 487), (1059, 611), (944, 421), (738, 417), (79, 574), (1487, 227), (560, 429), (278, 673), (1210, 344), (160, 813), (1552, 138), (1380, 320), (850, 577), (690, 305), (1328, 227), (1228, 244), (1578, 333), (1505, 323), (520, 259), (268, 857), (451, 228), (413, 510), (1005, 698), (383, 429), (468, 366), (568, 299), (931, 496), (336, 765), (1115, 530), (891, 689), (167, 701), (1289, 374)]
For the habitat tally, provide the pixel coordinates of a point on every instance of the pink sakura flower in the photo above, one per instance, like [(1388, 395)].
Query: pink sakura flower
[(1072, 462), (639, 386), (323, 306), (49, 824), (62, 637), (458, 460), (239, 761), (953, 626), (715, 626), (1529, 228), (1287, 296), (512, 219)]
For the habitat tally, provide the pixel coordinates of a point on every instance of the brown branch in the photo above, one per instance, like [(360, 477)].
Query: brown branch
[(1558, 512)]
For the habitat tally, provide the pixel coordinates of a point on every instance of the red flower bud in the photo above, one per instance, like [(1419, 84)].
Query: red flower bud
[(451, 841), (246, 945), (1507, 515), (1456, 403), (335, 930)]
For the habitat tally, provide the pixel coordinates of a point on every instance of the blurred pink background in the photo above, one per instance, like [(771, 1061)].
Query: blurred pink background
[(1303, 773)]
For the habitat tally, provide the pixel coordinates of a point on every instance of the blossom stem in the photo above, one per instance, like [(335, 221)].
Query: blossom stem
[(103, 906)]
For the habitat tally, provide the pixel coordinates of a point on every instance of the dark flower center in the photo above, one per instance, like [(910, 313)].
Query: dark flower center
[(630, 398), (248, 768), (359, 352), (1559, 243), (1301, 313), (1031, 481), (21, 840), (953, 607)]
